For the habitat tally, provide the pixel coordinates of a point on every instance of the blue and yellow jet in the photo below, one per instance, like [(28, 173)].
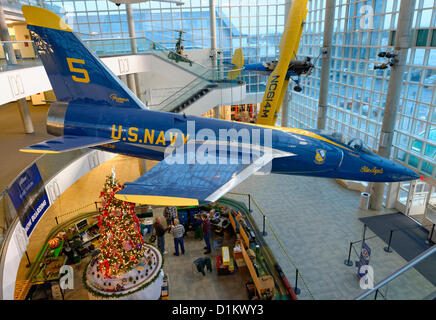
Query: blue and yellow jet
[(95, 109)]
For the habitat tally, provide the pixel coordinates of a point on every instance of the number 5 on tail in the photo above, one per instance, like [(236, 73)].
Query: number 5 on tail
[(85, 78)]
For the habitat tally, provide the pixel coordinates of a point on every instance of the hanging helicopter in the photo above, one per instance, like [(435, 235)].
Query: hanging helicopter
[(179, 55)]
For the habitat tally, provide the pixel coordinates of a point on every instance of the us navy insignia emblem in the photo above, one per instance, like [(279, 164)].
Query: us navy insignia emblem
[(320, 156)]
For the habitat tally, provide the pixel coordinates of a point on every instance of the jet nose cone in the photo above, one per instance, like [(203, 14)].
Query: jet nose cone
[(408, 174), (402, 173)]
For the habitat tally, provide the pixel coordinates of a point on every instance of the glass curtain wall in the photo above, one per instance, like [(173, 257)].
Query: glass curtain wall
[(254, 25), (357, 92)]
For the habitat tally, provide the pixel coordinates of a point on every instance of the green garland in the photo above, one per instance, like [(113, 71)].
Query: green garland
[(118, 295)]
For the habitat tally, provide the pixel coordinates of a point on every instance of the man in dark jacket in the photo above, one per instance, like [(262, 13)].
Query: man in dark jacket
[(170, 213), (206, 232), (160, 234)]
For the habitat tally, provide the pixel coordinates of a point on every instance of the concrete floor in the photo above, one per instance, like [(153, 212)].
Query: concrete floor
[(12, 138)]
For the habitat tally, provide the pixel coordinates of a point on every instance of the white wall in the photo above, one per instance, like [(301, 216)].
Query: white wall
[(54, 188), (162, 80), (24, 82), (153, 72), (15, 251), (201, 56), (253, 98), (75, 170)]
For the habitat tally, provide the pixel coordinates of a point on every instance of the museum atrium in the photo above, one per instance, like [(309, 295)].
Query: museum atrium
[(345, 208)]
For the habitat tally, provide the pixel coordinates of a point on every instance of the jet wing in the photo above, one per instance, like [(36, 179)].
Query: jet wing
[(66, 143), (186, 184)]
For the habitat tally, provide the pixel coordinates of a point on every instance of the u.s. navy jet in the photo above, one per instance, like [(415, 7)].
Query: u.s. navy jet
[(201, 159)]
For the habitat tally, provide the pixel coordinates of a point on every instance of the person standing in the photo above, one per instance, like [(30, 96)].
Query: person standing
[(170, 213), (206, 232), (160, 234), (178, 230), (196, 225)]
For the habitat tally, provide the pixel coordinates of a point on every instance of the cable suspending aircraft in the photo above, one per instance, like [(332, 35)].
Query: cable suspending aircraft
[(95, 109)]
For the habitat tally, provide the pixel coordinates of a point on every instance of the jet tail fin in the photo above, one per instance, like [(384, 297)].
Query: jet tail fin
[(238, 64), (75, 72)]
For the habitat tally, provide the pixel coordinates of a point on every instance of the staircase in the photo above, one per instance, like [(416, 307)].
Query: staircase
[(183, 98), (206, 81)]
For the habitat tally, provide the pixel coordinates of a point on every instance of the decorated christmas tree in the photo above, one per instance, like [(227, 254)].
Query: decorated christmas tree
[(121, 243)]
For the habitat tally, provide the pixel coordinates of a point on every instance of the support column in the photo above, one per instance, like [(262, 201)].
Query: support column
[(23, 108), (285, 104), (217, 112), (213, 50), (130, 78), (326, 64), (285, 109), (212, 23), (391, 197), (133, 82), (25, 115), (402, 45), (142, 166), (4, 36)]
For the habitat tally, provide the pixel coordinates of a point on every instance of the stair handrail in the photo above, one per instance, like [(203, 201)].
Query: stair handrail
[(208, 69), (180, 92), (142, 38)]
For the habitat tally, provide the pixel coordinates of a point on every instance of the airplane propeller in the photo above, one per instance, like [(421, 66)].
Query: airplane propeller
[(302, 67)]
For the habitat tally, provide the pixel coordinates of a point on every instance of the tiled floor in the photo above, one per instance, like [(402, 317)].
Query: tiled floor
[(315, 219)]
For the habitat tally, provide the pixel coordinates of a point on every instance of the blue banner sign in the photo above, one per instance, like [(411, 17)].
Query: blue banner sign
[(29, 198), (365, 254)]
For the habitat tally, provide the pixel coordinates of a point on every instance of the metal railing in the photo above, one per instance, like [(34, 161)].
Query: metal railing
[(18, 54), (397, 289), (281, 255), (122, 46)]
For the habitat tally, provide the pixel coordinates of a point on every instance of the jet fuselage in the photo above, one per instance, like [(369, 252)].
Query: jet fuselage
[(146, 134)]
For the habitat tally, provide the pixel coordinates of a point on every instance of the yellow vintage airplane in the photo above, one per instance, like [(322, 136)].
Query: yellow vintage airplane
[(278, 80)]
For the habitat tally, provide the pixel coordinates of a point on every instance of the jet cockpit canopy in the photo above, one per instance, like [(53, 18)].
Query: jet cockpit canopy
[(354, 143)]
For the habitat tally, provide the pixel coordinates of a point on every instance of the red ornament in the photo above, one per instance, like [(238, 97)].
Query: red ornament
[(54, 243)]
